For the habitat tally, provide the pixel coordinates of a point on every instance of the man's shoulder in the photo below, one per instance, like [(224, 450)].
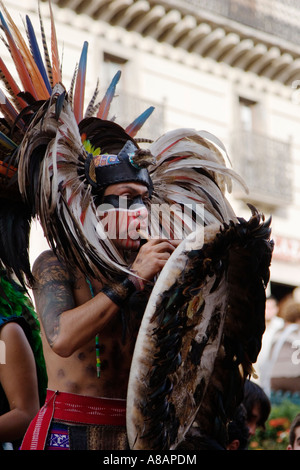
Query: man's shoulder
[(44, 259), (49, 265)]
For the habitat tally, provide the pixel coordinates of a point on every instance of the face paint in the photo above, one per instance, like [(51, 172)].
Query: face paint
[(122, 218)]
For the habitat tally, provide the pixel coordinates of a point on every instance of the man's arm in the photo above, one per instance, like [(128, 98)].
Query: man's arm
[(52, 292), (67, 326)]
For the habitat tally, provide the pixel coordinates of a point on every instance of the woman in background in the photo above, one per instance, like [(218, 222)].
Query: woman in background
[(22, 371)]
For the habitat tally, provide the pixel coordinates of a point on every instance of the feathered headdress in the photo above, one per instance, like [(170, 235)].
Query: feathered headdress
[(42, 153), (55, 156)]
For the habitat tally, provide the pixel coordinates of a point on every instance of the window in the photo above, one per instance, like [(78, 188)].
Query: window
[(248, 112), (258, 158)]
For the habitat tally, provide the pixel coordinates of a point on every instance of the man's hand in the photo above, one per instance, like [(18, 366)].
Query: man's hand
[(152, 257)]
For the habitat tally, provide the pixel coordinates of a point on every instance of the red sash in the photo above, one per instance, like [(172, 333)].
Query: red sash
[(72, 408)]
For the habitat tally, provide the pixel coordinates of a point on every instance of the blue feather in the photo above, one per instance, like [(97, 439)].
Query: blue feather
[(36, 54), (110, 93), (135, 126)]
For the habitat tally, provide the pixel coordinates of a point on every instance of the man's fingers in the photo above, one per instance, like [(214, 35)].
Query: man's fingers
[(161, 245)]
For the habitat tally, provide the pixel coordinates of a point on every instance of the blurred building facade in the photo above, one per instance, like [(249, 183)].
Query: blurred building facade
[(231, 67)]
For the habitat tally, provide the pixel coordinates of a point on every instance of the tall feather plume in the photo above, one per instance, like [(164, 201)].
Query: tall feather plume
[(45, 48), (35, 50), (136, 125), (109, 95), (80, 84), (21, 49), (18, 60), (56, 69)]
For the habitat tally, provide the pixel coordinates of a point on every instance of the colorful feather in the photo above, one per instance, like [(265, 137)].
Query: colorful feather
[(17, 42), (136, 125), (18, 60), (36, 54), (11, 86), (45, 47), (109, 95), (56, 72), (80, 84)]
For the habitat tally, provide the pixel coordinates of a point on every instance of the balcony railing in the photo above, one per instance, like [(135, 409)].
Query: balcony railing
[(265, 165)]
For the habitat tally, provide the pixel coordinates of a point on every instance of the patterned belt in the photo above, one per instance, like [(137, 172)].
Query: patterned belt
[(72, 408)]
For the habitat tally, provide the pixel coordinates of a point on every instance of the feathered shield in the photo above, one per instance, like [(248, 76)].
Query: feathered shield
[(200, 334)]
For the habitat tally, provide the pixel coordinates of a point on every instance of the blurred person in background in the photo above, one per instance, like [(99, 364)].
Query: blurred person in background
[(257, 405), (274, 323), (238, 431), (285, 351), (294, 435), (22, 370)]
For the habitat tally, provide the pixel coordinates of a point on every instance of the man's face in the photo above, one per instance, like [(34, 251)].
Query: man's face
[(123, 214)]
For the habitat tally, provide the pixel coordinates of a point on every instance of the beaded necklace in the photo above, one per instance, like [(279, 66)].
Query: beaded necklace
[(97, 342)]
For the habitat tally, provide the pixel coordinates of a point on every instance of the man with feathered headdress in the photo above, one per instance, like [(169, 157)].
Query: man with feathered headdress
[(113, 214)]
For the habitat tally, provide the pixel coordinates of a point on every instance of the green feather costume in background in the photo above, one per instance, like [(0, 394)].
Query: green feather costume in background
[(15, 306)]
